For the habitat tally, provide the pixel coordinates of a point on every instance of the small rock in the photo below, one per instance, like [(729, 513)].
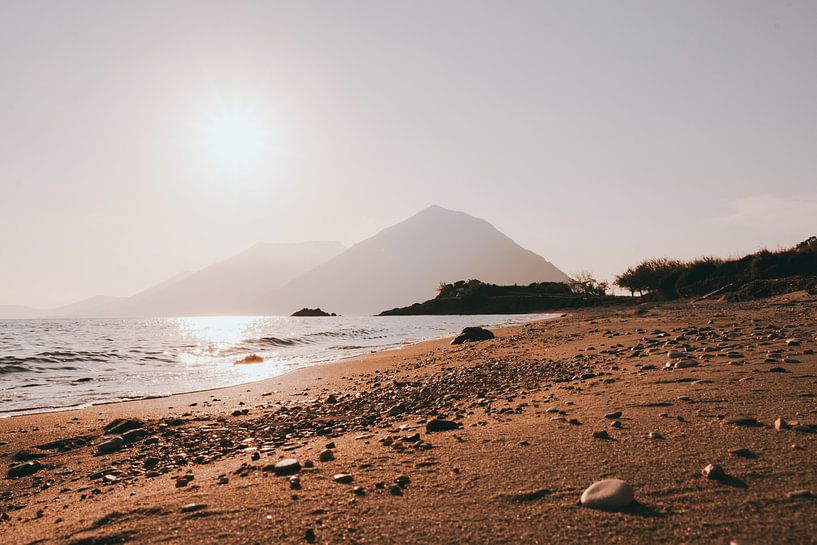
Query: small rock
[(742, 452), (800, 494), (24, 469), (781, 424), (471, 334), (191, 507), (608, 494), (742, 421), (111, 445), (601, 434), (121, 425), (438, 425), (343, 478), (131, 436), (713, 472), (326, 455), (287, 466)]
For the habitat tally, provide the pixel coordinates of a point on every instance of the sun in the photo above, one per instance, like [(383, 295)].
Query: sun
[(235, 139)]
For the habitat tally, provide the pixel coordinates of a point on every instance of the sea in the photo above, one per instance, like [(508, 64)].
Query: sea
[(57, 364)]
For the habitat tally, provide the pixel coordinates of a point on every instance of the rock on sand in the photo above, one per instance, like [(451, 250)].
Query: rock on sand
[(608, 494)]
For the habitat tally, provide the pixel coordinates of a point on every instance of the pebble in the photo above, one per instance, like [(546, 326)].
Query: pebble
[(287, 466), (608, 494), (781, 424), (343, 478), (713, 472), (326, 455), (395, 490), (601, 434), (800, 494), (111, 445), (191, 507), (742, 421), (122, 425), (26, 468), (134, 435), (437, 425), (742, 452)]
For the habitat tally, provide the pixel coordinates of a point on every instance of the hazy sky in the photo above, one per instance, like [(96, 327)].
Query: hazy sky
[(594, 133)]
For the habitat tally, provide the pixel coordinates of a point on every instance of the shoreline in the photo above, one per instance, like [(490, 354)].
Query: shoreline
[(319, 363), (527, 406), (289, 377)]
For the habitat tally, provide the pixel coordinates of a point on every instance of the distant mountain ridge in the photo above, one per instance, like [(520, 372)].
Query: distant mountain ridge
[(402, 264), (234, 285), (398, 266)]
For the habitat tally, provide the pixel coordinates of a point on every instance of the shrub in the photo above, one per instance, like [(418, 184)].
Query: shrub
[(670, 278)]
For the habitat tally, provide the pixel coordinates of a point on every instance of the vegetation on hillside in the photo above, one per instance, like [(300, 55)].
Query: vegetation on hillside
[(761, 272), (476, 297)]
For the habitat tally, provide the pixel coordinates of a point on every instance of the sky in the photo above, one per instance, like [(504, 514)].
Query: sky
[(142, 139)]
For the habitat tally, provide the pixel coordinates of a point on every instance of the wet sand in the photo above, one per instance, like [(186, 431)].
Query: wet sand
[(530, 407)]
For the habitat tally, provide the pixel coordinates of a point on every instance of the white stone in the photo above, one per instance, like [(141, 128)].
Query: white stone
[(608, 494)]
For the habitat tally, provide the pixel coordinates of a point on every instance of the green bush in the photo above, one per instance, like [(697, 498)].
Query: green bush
[(670, 279)]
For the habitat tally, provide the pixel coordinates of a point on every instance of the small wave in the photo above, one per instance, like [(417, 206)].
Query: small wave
[(60, 357), (11, 368), (276, 341), (356, 332)]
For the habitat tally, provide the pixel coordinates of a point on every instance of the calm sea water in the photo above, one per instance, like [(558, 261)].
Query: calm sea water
[(58, 364)]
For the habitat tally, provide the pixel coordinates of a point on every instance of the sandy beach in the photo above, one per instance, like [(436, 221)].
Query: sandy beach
[(528, 420)]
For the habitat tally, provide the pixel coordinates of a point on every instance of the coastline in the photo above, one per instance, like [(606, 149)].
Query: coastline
[(277, 379), (511, 461)]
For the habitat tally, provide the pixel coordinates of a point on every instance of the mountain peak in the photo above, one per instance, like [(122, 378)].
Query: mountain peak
[(435, 210), (404, 263)]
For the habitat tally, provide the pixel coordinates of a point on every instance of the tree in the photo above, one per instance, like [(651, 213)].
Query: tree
[(652, 275), (583, 283)]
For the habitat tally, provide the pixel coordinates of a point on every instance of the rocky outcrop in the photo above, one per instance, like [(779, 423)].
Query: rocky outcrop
[(312, 312)]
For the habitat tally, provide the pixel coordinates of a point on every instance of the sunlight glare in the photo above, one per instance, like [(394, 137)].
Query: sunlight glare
[(235, 139)]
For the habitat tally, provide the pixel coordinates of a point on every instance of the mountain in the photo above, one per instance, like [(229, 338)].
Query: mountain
[(99, 305), (398, 266), (231, 286), (19, 312), (403, 264)]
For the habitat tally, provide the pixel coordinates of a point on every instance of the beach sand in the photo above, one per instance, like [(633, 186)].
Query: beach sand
[(512, 473)]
